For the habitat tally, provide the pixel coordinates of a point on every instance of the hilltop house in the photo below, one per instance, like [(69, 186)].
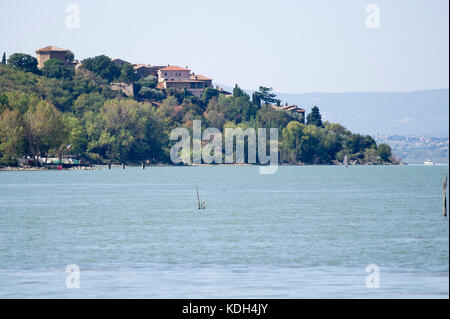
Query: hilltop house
[(293, 110), (181, 78), (51, 52), (119, 62), (144, 70)]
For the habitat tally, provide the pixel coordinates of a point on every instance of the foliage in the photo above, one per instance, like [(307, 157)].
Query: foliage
[(237, 91), (103, 67), (12, 137), (127, 74), (314, 118), (265, 94), (24, 62), (384, 151), (41, 115), (149, 93), (54, 68), (45, 129)]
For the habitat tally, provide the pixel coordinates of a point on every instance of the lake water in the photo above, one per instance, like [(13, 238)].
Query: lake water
[(304, 232)]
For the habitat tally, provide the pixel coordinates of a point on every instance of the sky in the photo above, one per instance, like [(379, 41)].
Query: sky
[(290, 45)]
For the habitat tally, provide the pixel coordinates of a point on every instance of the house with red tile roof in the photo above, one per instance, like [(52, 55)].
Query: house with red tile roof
[(293, 110), (179, 78)]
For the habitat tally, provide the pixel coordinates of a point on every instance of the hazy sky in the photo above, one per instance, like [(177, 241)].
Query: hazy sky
[(293, 46)]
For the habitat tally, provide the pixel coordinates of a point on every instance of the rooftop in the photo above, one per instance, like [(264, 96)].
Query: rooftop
[(138, 66), (174, 68), (199, 77), (51, 48)]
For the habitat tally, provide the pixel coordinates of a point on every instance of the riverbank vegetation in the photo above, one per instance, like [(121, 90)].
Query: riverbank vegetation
[(44, 111)]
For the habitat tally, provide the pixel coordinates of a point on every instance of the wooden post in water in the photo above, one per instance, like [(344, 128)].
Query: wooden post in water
[(143, 165), (198, 198), (123, 166), (445, 196), (109, 165)]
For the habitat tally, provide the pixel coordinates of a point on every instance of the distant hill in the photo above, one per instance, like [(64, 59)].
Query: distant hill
[(410, 113)]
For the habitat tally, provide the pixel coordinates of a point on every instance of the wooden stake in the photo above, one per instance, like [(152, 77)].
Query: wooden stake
[(198, 198), (445, 196)]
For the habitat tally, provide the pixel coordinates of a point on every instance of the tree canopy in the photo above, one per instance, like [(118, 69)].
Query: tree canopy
[(24, 62), (54, 68), (41, 115), (103, 67), (314, 118)]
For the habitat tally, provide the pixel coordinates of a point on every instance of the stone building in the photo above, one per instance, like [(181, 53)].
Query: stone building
[(144, 70), (51, 52)]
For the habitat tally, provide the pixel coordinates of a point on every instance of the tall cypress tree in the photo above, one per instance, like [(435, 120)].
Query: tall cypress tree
[(4, 58), (237, 91), (314, 118), (256, 99)]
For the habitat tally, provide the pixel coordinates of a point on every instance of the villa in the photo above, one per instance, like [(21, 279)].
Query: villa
[(181, 78)]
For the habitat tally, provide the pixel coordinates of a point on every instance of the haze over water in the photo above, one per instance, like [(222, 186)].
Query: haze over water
[(303, 232)]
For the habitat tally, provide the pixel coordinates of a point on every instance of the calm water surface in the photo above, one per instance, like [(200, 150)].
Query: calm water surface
[(304, 232)]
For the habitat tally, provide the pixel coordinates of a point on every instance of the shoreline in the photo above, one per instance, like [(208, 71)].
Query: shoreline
[(103, 167)]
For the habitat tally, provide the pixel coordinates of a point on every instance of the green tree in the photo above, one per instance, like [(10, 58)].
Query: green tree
[(291, 142), (103, 67), (256, 100), (45, 129), (266, 95), (76, 136), (4, 102), (69, 57), (270, 118), (314, 118), (237, 91), (209, 93), (385, 152), (149, 82), (54, 68), (12, 137), (24, 62), (127, 74), (88, 102), (4, 58), (129, 130)]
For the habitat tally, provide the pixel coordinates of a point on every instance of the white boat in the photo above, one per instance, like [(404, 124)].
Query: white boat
[(428, 163)]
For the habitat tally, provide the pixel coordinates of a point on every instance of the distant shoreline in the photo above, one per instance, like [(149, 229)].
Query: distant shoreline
[(103, 167)]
